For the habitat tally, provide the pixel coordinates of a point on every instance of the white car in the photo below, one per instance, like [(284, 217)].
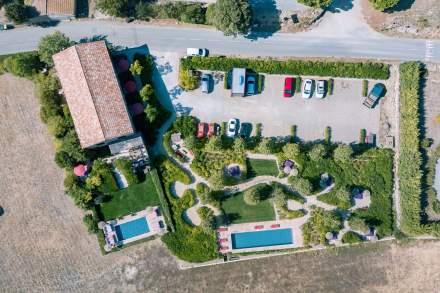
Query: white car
[(232, 127), (320, 89), (307, 89), (196, 52)]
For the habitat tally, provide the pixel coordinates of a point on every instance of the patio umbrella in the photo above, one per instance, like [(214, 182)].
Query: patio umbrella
[(80, 170), (123, 65), (130, 86), (137, 109)]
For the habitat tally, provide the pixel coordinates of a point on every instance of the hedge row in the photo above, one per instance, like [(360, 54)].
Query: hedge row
[(162, 198), (410, 161), (293, 67)]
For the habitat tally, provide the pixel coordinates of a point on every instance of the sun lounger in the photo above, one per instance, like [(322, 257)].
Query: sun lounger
[(258, 227), (275, 226)]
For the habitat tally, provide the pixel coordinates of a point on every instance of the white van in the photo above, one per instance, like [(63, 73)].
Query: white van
[(196, 52)]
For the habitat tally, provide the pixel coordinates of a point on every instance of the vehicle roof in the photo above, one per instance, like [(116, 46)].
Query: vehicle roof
[(378, 89)]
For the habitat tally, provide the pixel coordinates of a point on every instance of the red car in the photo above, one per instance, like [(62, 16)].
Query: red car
[(289, 87), (201, 130)]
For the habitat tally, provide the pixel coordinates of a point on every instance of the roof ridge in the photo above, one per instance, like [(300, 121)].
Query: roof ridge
[(91, 95)]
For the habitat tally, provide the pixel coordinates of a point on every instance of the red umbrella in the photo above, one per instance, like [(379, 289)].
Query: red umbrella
[(130, 86), (80, 170), (123, 65), (137, 109)]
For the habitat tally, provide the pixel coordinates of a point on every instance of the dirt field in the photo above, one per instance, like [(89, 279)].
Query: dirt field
[(411, 18), (45, 247)]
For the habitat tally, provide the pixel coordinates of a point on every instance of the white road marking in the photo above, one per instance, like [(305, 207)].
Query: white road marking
[(429, 51)]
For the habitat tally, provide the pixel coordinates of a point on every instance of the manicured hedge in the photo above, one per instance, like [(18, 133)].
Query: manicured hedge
[(293, 67), (410, 161), (163, 200)]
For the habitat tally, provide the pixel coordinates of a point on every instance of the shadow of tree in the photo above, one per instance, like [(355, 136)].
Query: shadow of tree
[(2, 211), (340, 5), (401, 6), (265, 20)]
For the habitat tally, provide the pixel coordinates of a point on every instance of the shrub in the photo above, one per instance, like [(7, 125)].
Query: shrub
[(63, 160), (288, 214), (23, 64), (266, 146), (319, 224), (117, 8), (239, 145), (384, 4), (316, 3), (226, 81), (223, 129), (358, 224), (57, 126), (258, 130), (91, 223), (330, 85), (202, 191), (105, 173), (301, 185), (317, 152), (290, 67), (47, 90), (343, 153), (410, 160), (327, 134), (208, 220), (52, 44), (217, 179), (70, 146), (279, 197), (340, 197), (147, 93), (136, 68), (362, 136), (186, 125), (364, 88), (253, 195), (260, 83), (124, 166), (16, 11), (293, 133), (188, 81), (215, 144), (298, 82), (351, 237), (291, 151)]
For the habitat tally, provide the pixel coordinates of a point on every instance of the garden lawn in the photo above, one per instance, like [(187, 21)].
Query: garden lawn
[(259, 167), (238, 211), (132, 199)]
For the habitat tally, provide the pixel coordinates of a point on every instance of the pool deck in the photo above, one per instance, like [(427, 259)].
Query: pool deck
[(152, 221), (225, 240)]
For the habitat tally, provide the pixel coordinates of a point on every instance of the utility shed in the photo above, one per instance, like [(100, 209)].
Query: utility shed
[(238, 88)]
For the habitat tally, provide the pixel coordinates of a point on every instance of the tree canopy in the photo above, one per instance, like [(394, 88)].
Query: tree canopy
[(117, 8), (384, 4), (316, 3), (16, 11), (52, 44), (232, 17)]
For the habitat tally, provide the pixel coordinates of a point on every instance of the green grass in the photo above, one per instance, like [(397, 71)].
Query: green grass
[(238, 211), (3, 57), (132, 199), (259, 167)]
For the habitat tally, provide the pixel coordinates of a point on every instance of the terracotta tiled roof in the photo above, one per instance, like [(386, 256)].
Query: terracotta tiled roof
[(57, 7), (92, 92)]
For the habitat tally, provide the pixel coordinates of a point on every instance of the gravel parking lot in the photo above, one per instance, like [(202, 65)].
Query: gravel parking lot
[(343, 111)]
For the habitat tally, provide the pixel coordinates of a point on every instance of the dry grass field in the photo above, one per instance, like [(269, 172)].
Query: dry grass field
[(45, 248)]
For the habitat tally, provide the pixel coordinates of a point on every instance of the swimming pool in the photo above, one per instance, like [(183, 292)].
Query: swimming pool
[(262, 238), (132, 229)]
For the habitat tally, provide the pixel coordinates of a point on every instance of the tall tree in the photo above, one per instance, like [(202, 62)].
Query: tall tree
[(16, 11), (52, 44), (233, 17)]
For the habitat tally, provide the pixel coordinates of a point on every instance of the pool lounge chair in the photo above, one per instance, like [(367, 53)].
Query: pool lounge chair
[(259, 227)]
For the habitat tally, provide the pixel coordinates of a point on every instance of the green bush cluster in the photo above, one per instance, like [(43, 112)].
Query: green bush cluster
[(316, 3), (270, 66), (330, 86), (187, 242), (187, 80), (302, 185), (319, 224), (260, 83), (298, 83), (351, 237), (288, 214), (23, 64), (327, 134), (384, 4), (125, 167), (358, 224), (370, 169), (340, 197), (208, 219), (91, 223), (182, 11), (362, 135)]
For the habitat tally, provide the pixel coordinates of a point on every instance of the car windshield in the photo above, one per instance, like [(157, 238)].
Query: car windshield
[(200, 51)]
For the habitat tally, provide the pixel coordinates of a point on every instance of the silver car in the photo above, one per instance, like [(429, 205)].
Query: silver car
[(307, 89), (320, 89)]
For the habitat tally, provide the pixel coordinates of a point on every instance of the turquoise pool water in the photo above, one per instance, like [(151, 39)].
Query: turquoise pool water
[(262, 238), (132, 229)]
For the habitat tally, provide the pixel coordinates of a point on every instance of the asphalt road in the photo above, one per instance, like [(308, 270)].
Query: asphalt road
[(172, 39)]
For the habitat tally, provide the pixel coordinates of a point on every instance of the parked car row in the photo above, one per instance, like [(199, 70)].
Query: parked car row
[(306, 90), (207, 130)]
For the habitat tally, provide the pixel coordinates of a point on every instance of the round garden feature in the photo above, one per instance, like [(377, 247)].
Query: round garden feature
[(123, 65), (80, 170), (130, 87)]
